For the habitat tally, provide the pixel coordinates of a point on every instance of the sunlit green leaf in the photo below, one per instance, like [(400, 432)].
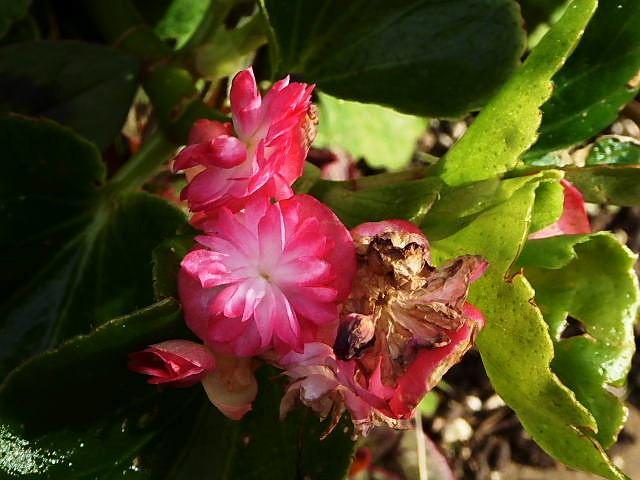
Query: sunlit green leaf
[(570, 279), (614, 151), (515, 344), (507, 126), (383, 137)]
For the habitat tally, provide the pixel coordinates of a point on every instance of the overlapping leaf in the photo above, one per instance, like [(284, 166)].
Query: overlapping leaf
[(72, 256), (570, 279), (515, 344), (427, 58), (507, 126), (597, 80), (84, 86), (96, 416), (378, 197)]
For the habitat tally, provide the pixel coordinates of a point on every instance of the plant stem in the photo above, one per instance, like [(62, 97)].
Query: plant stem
[(154, 152), (169, 85)]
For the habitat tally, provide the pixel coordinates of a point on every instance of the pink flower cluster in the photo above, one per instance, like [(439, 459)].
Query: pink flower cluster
[(358, 321)]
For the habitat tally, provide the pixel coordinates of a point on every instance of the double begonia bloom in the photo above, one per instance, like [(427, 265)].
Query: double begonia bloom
[(403, 326), (269, 276), (267, 155), (177, 363), (574, 218)]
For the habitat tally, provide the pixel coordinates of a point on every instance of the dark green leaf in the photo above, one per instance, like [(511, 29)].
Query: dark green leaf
[(87, 87), (507, 127), (607, 184), (423, 57), (10, 11), (515, 344), (77, 412), (570, 279), (383, 137), (101, 421), (261, 446), (614, 151), (166, 264), (378, 197), (72, 257), (592, 87)]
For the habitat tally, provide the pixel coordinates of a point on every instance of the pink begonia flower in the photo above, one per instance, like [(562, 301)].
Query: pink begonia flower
[(271, 275), (273, 137), (178, 363), (403, 326), (574, 219), (232, 386)]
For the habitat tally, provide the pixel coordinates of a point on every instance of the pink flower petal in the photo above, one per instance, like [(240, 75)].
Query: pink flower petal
[(574, 219), (178, 363)]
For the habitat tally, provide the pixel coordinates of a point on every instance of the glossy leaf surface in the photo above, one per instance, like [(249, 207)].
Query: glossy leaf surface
[(570, 279), (515, 344), (81, 256), (507, 126), (422, 57), (597, 80), (84, 86)]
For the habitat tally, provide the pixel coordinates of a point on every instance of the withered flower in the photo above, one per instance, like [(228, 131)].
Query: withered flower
[(405, 323)]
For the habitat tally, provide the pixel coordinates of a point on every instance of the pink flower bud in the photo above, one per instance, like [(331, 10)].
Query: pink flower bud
[(178, 363), (273, 137)]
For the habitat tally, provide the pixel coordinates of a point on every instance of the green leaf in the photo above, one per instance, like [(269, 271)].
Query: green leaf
[(592, 87), (10, 11), (383, 137), (378, 197), (515, 344), (94, 416), (607, 184), (548, 205), (261, 446), (458, 207), (73, 255), (166, 264), (87, 87), (603, 296), (507, 126), (181, 19), (614, 151), (423, 57)]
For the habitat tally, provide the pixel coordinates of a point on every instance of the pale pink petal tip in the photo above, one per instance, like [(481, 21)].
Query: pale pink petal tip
[(232, 387), (574, 219), (178, 363)]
